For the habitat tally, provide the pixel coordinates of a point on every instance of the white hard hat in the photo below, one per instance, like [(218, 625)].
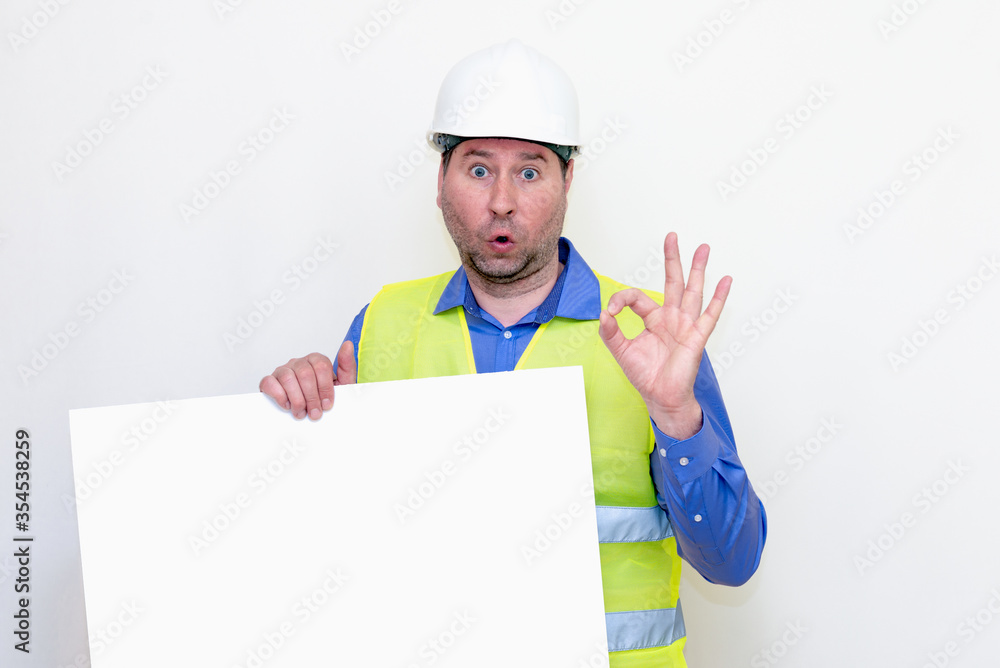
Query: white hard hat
[(507, 90)]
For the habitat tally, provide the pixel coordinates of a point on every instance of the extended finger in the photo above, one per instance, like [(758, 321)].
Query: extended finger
[(673, 285), (693, 297), (706, 321)]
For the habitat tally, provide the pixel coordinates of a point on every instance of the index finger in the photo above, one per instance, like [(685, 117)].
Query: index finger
[(637, 300), (270, 386), (325, 380)]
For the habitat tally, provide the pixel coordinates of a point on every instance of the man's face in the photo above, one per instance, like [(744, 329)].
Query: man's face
[(503, 202)]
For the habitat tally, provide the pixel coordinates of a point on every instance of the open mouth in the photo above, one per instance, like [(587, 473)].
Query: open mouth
[(501, 242)]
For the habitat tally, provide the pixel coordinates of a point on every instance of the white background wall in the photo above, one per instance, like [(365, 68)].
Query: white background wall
[(840, 438)]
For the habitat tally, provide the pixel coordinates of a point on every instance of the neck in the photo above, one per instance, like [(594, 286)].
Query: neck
[(509, 302)]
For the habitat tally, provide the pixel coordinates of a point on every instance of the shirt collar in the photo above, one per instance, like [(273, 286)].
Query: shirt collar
[(575, 295)]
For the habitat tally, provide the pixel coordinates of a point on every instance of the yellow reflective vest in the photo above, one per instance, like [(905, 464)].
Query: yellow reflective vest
[(401, 338)]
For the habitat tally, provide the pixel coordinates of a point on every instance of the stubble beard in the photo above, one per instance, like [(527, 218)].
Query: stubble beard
[(517, 273)]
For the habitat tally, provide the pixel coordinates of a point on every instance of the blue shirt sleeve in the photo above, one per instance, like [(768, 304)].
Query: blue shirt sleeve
[(719, 523), (354, 333)]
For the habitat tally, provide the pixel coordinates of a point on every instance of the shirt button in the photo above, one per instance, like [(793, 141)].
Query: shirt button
[(684, 461), (697, 518), (663, 452), (507, 334)]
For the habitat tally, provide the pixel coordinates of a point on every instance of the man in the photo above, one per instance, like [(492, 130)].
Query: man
[(668, 481)]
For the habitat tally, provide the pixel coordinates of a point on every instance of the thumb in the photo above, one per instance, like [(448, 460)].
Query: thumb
[(347, 367), (612, 335)]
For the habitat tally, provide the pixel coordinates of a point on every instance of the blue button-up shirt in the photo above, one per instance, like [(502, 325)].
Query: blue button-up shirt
[(718, 521)]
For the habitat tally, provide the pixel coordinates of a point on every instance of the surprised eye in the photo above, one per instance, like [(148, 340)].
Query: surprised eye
[(479, 171), (529, 173)]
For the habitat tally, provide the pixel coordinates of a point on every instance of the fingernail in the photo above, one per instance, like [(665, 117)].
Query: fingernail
[(314, 414), (288, 406), (327, 404)]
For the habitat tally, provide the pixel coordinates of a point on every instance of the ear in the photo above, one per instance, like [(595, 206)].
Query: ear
[(440, 181), (569, 175)]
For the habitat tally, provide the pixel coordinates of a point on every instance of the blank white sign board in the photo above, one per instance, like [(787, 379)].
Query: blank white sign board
[(443, 521)]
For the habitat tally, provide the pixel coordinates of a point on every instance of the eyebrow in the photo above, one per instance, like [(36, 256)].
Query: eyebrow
[(524, 155)]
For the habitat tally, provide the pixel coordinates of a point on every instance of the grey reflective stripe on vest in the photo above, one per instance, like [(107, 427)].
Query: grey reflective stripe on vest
[(638, 629), (644, 628), (616, 524)]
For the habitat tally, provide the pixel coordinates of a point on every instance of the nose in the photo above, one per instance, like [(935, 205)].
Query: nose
[(503, 197)]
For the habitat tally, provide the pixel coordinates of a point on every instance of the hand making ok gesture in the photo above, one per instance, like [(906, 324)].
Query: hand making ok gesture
[(662, 361)]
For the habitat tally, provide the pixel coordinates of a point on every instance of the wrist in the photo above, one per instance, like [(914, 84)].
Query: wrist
[(680, 422)]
